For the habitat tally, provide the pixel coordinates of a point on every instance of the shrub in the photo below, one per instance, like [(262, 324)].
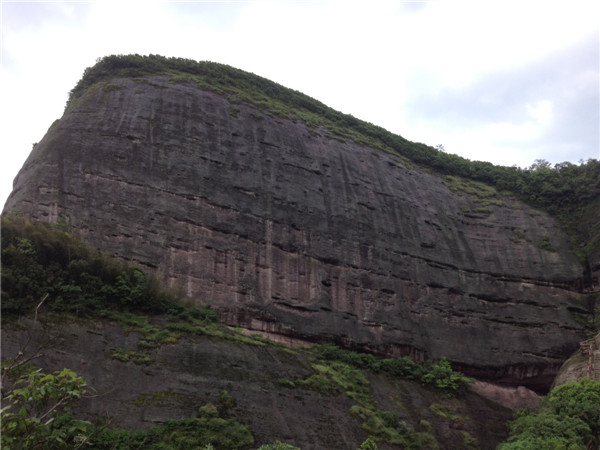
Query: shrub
[(441, 376), (546, 430), (36, 411), (278, 445), (568, 420), (579, 399), (438, 375), (39, 259)]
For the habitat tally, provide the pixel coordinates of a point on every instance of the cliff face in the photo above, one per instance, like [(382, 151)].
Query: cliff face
[(290, 231), (184, 376)]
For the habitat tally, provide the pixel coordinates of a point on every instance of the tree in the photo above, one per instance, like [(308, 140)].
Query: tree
[(540, 164), (36, 415), (547, 430), (569, 420), (579, 399)]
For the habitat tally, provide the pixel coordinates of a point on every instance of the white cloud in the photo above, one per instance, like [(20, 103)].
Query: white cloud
[(541, 112)]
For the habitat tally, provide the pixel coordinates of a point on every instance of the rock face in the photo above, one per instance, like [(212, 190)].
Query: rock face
[(193, 372), (288, 231), (585, 362)]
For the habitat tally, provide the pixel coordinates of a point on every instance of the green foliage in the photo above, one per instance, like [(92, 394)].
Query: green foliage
[(208, 431), (386, 426), (441, 376), (469, 442), (121, 355), (126, 356), (341, 371), (579, 399), (445, 413), (368, 444), (36, 413), (546, 430), (569, 419), (207, 428), (108, 87), (278, 445), (545, 244), (335, 378), (36, 416), (41, 260), (438, 375), (227, 400)]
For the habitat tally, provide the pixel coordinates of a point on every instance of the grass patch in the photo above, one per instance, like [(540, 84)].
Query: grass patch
[(126, 356), (386, 426), (545, 244)]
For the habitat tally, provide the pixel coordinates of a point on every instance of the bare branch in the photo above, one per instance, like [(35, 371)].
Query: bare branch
[(37, 308)]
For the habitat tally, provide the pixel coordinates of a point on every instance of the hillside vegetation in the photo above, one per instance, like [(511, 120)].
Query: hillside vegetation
[(48, 272), (41, 261), (570, 192)]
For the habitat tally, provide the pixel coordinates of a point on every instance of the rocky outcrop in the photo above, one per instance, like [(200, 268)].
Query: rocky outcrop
[(182, 377), (289, 231), (585, 362), (510, 397)]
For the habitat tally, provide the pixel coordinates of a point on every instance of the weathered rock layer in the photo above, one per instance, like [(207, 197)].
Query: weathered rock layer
[(288, 231), (196, 370)]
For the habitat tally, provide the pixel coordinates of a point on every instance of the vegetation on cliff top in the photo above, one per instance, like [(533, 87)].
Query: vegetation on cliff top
[(568, 191)]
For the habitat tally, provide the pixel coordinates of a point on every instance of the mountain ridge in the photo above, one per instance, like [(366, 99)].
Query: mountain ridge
[(568, 191), (289, 228)]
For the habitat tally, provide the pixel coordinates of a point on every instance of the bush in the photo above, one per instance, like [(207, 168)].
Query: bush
[(441, 376), (547, 430), (39, 260), (579, 399), (35, 414), (278, 445), (438, 375), (568, 420)]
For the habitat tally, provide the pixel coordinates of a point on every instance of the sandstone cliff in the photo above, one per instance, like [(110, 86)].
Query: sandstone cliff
[(287, 229), (584, 362)]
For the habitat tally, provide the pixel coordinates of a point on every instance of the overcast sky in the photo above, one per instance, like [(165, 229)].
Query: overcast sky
[(502, 81)]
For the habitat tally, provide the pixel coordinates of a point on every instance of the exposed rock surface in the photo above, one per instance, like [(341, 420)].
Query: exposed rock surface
[(585, 362), (287, 231), (573, 369), (509, 397), (187, 375)]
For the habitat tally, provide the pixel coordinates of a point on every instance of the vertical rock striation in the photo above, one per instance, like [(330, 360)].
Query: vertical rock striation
[(287, 230)]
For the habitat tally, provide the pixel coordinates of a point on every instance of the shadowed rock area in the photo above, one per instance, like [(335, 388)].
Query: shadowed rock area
[(288, 230)]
